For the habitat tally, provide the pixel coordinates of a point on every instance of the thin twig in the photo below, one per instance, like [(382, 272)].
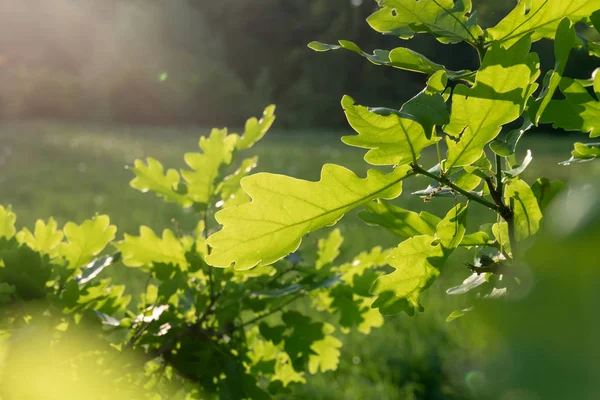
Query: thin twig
[(273, 311), (446, 182)]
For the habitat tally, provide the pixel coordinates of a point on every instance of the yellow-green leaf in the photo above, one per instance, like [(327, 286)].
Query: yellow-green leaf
[(565, 40), (230, 189), (393, 139), (502, 87), (217, 150), (540, 18), (416, 262), (45, 238), (451, 230), (151, 176), (403, 223), (256, 129), (519, 196), (326, 353), (448, 21), (579, 111), (284, 209), (147, 248), (86, 241), (7, 223), (329, 248)]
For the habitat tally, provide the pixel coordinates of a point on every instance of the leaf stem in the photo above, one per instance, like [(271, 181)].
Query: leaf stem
[(499, 184), (437, 147), (510, 221), (273, 311), (211, 281), (446, 182)]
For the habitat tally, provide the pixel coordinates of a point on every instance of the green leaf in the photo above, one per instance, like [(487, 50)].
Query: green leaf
[(579, 111), (284, 209), (24, 269), (86, 241), (498, 97), (416, 262), (472, 282), (507, 147), (147, 249), (45, 239), (500, 231), (152, 176), (565, 40), (393, 139), (302, 333), (7, 223), (321, 47), (429, 107), (451, 230), (545, 191), (540, 18), (95, 267), (107, 319), (255, 129), (329, 249), (520, 168), (217, 150), (230, 189), (403, 223), (527, 214), (457, 314), (400, 57), (583, 152), (365, 261), (475, 239), (326, 353), (447, 20)]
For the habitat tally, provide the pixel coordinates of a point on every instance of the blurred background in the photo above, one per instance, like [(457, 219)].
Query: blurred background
[(87, 86)]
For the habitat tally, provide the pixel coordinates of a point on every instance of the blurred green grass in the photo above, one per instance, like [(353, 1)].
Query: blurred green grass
[(71, 171)]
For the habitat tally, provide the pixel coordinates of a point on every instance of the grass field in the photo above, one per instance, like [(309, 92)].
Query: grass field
[(71, 171)]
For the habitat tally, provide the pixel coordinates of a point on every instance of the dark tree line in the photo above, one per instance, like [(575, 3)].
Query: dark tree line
[(203, 62)]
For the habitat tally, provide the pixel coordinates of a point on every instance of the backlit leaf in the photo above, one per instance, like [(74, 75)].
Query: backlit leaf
[(502, 87), (45, 237), (329, 249), (564, 41), (583, 152), (152, 176), (527, 214), (520, 168), (392, 139), (457, 314), (7, 223), (230, 189), (255, 129), (86, 241), (24, 269), (447, 20), (579, 111), (429, 107), (416, 262), (326, 351), (475, 239), (540, 18), (451, 230), (147, 248), (403, 223), (217, 150), (500, 231), (545, 191), (284, 209), (400, 57)]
